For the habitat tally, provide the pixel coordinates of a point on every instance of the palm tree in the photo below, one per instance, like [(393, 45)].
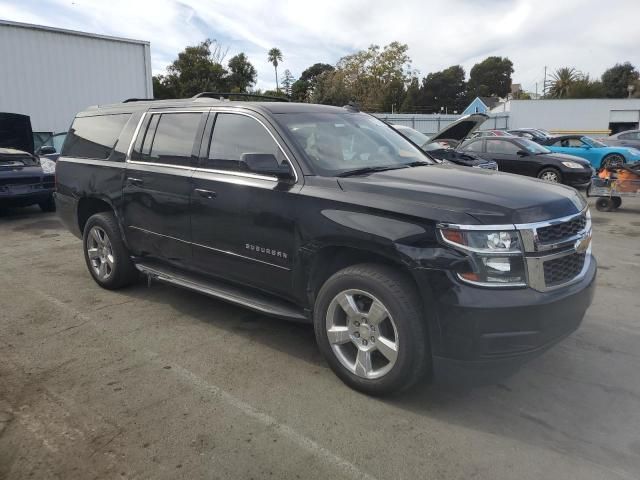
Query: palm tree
[(274, 56), (562, 81)]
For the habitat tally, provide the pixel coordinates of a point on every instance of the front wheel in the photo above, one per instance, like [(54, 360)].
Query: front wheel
[(550, 175), (106, 255), (370, 328), (605, 204)]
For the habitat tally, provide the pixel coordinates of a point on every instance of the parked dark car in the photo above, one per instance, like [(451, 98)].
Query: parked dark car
[(524, 157), (23, 182), (535, 134), (629, 138), (327, 215), (442, 146)]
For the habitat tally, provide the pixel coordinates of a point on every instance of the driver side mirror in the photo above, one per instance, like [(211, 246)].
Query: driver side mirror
[(523, 153), (266, 164), (585, 146)]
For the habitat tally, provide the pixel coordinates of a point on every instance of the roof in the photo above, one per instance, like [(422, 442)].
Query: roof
[(490, 102), (65, 31)]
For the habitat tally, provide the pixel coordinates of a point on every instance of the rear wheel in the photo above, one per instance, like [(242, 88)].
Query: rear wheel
[(550, 174), (106, 254), (612, 160), (605, 204), (370, 329)]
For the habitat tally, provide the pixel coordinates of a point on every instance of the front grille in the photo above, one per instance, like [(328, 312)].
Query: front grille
[(562, 231), (19, 181), (563, 269)]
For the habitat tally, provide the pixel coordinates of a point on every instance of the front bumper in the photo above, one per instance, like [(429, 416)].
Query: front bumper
[(483, 325), (578, 178)]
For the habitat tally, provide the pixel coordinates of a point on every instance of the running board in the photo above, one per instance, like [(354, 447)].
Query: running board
[(248, 298)]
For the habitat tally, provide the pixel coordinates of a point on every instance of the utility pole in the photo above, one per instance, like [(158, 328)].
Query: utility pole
[(544, 85), (536, 90)]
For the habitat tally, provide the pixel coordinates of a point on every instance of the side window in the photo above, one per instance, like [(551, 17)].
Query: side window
[(474, 146), (569, 142), (502, 147), (94, 137), (169, 138), (234, 135)]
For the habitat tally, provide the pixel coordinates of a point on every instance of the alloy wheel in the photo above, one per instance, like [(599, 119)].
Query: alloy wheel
[(362, 334), (100, 253), (550, 177)]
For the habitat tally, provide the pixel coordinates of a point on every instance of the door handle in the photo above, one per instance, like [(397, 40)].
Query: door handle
[(136, 182), (205, 193)]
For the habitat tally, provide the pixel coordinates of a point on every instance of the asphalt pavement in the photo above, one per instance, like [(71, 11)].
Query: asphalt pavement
[(161, 383)]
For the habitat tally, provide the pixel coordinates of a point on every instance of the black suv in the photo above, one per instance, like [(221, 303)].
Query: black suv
[(327, 215)]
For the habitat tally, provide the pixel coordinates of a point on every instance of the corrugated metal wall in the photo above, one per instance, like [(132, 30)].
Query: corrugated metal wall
[(51, 75)]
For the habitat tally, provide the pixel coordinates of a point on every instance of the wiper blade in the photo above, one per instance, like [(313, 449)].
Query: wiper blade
[(360, 171)]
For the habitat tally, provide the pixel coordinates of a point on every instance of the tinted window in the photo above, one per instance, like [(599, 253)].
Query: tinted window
[(235, 135), (94, 137), (498, 146), (171, 141), (474, 147)]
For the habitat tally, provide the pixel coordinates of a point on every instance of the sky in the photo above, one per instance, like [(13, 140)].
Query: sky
[(590, 35)]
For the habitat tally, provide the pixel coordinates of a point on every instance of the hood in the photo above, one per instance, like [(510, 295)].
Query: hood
[(15, 132), (488, 196), (461, 128)]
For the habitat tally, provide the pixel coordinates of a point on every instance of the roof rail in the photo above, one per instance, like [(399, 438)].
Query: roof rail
[(226, 95), (128, 100)]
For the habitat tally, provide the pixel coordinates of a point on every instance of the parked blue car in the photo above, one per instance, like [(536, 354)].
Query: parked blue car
[(598, 154)]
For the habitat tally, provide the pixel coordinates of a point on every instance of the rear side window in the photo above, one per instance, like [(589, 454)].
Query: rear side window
[(170, 137), (235, 135), (94, 137)]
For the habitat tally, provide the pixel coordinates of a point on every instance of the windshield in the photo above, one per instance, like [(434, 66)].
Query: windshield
[(592, 142), (335, 143), (413, 135), (533, 147)]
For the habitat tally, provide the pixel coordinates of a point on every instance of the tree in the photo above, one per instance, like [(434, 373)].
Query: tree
[(242, 75), (302, 89), (584, 87), (491, 77), (375, 78), (562, 80), (274, 56), (287, 83), (412, 97), (445, 89), (617, 79)]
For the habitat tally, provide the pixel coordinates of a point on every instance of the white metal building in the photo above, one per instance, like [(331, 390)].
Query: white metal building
[(590, 116), (50, 74)]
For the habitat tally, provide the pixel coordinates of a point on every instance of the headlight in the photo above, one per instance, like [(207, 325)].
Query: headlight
[(495, 257), (572, 165)]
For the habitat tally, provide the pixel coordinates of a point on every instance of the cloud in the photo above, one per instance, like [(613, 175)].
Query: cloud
[(586, 34)]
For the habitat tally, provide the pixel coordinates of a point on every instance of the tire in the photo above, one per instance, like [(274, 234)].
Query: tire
[(550, 174), (395, 323), (617, 201), (49, 205), (612, 160), (105, 253), (604, 204)]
